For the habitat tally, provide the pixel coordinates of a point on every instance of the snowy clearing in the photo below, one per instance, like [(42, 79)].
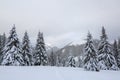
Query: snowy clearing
[(54, 73)]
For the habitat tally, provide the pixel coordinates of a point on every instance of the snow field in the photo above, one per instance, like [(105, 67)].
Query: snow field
[(54, 73)]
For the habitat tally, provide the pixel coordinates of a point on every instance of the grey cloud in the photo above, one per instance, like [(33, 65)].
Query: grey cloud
[(61, 19)]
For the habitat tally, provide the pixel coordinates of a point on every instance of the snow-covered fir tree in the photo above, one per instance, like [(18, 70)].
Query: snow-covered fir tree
[(58, 61), (40, 51), (118, 58), (105, 54), (44, 59), (26, 50), (0, 47), (90, 55), (115, 50), (2, 42), (12, 55), (80, 61), (71, 61)]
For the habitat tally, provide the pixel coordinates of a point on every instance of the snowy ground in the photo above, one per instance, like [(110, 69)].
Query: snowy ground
[(54, 73)]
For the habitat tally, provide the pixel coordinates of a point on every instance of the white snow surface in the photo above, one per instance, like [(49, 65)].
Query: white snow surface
[(54, 73)]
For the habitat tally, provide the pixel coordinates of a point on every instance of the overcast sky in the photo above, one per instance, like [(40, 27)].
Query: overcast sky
[(61, 21)]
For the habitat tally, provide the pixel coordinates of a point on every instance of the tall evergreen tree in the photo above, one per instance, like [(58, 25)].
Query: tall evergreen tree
[(52, 58), (115, 50), (119, 43), (90, 55), (80, 61), (58, 61), (2, 42), (40, 53), (26, 50), (105, 54), (118, 58), (12, 52), (0, 47)]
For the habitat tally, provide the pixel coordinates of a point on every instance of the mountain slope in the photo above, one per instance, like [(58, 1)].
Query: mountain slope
[(75, 49)]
